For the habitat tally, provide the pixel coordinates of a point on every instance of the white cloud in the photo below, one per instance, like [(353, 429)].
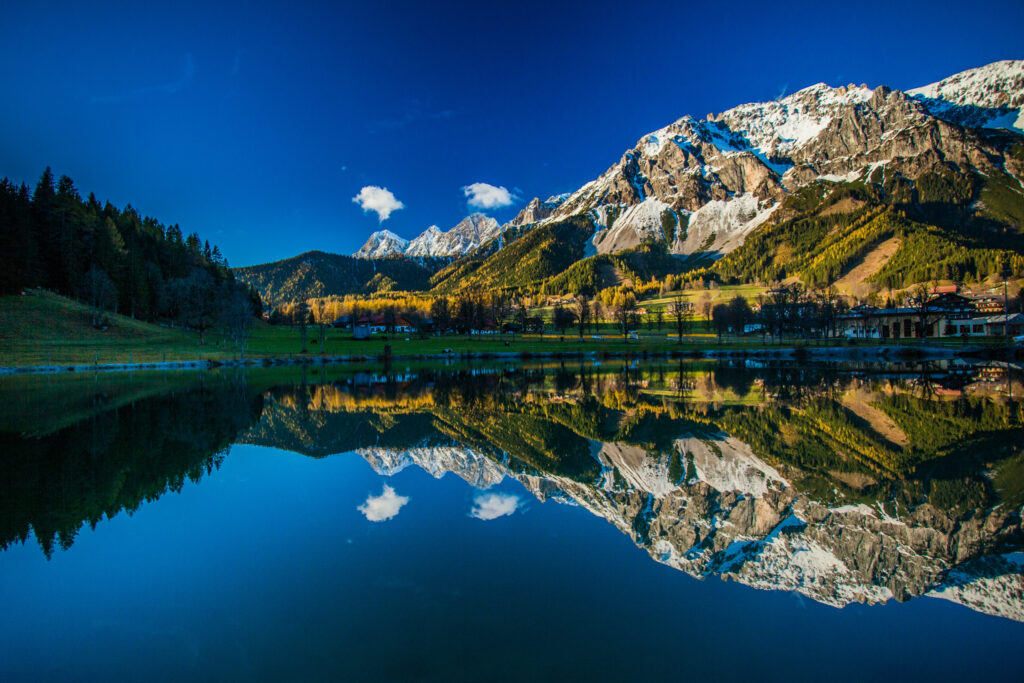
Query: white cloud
[(379, 199), (383, 507), (493, 505), (484, 196)]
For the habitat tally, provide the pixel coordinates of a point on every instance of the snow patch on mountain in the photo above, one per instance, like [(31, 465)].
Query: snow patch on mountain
[(721, 225), (639, 223), (782, 126), (638, 468)]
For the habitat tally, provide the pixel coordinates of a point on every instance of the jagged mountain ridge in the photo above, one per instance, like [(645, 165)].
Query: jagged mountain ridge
[(700, 188), (382, 243), (467, 235), (722, 177)]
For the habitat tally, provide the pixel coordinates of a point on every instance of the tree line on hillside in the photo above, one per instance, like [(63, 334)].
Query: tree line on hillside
[(496, 312), (819, 245), (114, 259)]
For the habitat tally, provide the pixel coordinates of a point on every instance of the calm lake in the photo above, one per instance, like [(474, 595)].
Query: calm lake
[(735, 520)]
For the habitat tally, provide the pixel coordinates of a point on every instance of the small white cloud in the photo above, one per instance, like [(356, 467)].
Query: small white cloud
[(484, 196), (383, 507), (379, 199), (493, 505)]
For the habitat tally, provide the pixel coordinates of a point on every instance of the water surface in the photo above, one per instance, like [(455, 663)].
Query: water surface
[(496, 523)]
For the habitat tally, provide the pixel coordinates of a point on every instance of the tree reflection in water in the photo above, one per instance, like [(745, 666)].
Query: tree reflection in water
[(841, 482)]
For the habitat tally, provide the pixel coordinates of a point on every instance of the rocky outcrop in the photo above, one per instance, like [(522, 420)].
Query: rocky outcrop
[(536, 211), (991, 96)]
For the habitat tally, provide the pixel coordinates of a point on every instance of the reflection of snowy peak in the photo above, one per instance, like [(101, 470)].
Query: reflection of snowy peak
[(734, 515), (993, 585), (473, 467)]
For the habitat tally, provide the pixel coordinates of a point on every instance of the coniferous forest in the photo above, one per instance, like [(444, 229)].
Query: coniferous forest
[(113, 259)]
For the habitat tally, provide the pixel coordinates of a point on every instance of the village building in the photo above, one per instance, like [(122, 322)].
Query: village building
[(937, 317), (989, 326)]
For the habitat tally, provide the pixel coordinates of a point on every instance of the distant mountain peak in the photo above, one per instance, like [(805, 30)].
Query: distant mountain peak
[(382, 243), (468, 234)]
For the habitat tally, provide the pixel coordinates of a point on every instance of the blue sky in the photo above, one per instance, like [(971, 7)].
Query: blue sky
[(257, 124)]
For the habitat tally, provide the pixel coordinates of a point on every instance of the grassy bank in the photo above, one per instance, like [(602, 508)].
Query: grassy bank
[(44, 329)]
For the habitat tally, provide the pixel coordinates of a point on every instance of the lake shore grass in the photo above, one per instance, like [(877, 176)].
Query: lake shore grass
[(43, 331)]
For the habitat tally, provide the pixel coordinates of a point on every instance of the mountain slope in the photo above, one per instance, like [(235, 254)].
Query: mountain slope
[(538, 254), (319, 274)]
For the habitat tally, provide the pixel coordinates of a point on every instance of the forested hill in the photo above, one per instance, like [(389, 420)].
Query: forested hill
[(112, 258), (319, 274)]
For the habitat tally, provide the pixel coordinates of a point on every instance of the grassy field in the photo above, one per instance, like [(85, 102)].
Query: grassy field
[(43, 329)]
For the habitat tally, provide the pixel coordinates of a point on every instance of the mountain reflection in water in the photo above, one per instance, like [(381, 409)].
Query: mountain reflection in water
[(841, 483)]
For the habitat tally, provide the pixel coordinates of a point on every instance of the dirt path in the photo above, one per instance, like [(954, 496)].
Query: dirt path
[(867, 266), (613, 277)]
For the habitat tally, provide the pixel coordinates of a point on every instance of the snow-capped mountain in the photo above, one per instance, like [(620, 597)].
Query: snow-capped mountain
[(991, 96), (701, 186), (382, 243), (471, 232)]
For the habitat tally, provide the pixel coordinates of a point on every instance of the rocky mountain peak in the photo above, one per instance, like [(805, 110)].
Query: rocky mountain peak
[(382, 243), (991, 96), (537, 210)]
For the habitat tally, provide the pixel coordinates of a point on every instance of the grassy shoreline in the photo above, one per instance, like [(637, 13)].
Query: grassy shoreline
[(44, 332)]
